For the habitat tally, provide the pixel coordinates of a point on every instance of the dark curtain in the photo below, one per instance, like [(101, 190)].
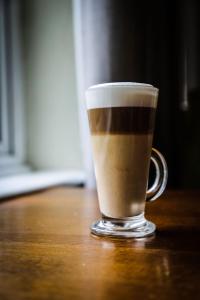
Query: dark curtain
[(155, 42)]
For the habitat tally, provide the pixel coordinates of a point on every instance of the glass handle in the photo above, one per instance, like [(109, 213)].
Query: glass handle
[(160, 182)]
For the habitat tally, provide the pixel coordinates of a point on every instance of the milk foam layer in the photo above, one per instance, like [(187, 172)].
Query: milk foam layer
[(119, 94)]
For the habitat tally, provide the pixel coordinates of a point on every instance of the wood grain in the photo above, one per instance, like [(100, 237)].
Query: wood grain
[(47, 252)]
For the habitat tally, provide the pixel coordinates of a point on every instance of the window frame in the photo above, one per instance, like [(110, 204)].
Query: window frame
[(4, 147), (12, 148)]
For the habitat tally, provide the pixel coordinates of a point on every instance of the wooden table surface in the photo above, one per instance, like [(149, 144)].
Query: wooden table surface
[(47, 252)]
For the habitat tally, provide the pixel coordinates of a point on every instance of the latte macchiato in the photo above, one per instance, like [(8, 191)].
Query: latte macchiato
[(121, 118)]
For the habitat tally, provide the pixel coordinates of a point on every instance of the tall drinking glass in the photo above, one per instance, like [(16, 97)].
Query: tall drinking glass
[(121, 119)]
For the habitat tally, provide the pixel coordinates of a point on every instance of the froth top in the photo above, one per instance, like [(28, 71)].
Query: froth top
[(117, 94), (122, 84)]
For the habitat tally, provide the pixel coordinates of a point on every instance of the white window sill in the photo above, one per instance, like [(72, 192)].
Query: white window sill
[(34, 181)]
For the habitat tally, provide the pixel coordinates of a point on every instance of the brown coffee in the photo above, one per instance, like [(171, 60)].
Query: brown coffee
[(122, 120), (121, 142)]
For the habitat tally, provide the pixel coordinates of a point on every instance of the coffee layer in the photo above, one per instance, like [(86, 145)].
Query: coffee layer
[(122, 120)]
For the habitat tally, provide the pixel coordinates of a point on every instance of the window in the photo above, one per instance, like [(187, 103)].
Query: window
[(12, 152), (12, 106)]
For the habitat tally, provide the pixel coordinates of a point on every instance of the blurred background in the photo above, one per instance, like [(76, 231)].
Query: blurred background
[(52, 50)]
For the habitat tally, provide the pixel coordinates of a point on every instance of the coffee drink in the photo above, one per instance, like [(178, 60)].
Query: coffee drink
[(121, 119)]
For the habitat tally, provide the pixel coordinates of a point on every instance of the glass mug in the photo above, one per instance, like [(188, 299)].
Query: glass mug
[(121, 119)]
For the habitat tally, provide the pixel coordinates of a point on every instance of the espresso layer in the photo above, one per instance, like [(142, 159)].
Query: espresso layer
[(122, 120)]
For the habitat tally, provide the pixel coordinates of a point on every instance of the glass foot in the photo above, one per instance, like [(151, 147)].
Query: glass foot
[(136, 227)]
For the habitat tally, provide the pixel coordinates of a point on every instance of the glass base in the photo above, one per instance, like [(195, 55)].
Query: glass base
[(135, 227)]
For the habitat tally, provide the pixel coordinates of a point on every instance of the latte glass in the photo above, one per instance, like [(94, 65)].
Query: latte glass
[(121, 119)]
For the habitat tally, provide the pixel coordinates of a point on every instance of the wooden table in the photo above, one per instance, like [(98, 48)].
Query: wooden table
[(47, 252)]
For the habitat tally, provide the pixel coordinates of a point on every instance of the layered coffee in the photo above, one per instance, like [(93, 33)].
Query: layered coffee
[(121, 135)]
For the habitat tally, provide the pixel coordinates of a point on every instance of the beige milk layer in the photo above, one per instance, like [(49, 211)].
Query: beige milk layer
[(121, 168)]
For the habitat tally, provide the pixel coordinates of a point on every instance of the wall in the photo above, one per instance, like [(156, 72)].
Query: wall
[(53, 139)]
